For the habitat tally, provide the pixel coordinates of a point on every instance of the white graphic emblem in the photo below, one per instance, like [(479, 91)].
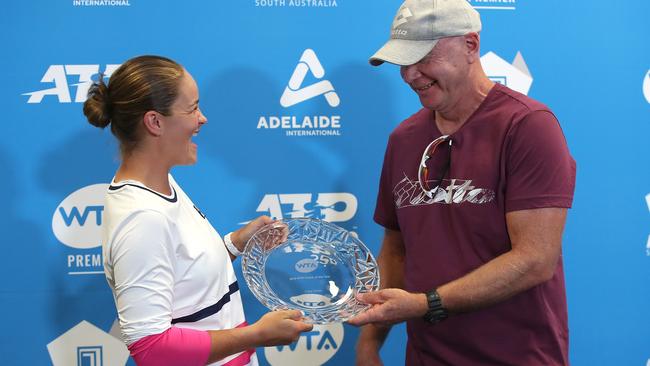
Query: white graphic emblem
[(294, 93), (515, 76), (407, 193), (77, 222), (312, 348), (646, 86), (85, 344), (402, 16)]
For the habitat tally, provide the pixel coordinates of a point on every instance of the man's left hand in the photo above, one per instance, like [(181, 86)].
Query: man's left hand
[(390, 306)]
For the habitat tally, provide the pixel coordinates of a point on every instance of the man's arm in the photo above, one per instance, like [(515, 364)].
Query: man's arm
[(391, 271), (536, 238)]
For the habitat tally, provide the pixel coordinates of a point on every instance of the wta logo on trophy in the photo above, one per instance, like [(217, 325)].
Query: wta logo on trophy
[(57, 77), (312, 348), (299, 94), (77, 223)]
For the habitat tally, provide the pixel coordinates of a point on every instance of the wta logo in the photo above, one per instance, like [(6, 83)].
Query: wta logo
[(295, 93), (312, 348), (77, 221)]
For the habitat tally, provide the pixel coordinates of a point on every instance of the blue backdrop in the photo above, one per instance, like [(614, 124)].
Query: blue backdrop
[(260, 65)]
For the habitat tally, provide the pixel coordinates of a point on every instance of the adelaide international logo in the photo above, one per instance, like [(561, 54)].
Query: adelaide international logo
[(299, 93)]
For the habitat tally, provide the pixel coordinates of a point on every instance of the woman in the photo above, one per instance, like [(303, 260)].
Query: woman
[(175, 290)]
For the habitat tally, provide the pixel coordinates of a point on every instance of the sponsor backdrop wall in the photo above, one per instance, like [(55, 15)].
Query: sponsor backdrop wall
[(298, 123)]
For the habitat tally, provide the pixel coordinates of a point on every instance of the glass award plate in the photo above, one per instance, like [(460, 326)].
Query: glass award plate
[(309, 265)]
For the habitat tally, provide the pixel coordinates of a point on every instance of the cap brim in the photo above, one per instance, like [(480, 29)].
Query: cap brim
[(402, 52)]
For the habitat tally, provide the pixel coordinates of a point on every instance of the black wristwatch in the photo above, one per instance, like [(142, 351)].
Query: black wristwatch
[(436, 312)]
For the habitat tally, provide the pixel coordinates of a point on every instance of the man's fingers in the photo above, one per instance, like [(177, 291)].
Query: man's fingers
[(375, 297)]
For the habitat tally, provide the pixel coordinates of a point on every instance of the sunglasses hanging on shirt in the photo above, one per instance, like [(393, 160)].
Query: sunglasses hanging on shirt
[(435, 158)]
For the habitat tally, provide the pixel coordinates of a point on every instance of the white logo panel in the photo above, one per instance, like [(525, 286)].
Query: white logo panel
[(515, 76), (85, 344)]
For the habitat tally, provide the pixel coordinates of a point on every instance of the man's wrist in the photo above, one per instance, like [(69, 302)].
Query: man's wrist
[(436, 312)]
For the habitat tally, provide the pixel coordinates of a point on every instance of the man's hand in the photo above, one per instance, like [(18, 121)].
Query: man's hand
[(390, 306)]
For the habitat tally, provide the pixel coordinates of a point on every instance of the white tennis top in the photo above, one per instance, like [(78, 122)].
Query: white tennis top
[(166, 264)]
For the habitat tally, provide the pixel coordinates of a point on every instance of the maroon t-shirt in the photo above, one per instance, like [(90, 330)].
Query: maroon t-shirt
[(510, 155)]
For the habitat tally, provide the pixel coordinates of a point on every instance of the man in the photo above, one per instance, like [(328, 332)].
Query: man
[(473, 197)]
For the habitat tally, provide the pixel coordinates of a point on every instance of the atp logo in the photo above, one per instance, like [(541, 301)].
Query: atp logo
[(646, 86), (295, 93), (87, 345), (331, 207), (515, 76), (58, 74), (313, 348)]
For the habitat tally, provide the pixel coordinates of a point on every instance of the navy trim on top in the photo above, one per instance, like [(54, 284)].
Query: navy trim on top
[(210, 310), (173, 199)]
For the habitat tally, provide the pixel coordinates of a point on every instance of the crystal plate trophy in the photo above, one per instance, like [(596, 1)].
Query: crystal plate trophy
[(309, 265)]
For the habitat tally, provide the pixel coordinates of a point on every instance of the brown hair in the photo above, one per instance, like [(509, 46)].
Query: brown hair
[(139, 85)]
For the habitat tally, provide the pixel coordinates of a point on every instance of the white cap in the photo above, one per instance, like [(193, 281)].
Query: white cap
[(418, 26)]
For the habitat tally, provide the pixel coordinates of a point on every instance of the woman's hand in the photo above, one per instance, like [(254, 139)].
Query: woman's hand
[(280, 327), (242, 236)]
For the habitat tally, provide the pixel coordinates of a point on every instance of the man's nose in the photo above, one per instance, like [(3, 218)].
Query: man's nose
[(410, 73)]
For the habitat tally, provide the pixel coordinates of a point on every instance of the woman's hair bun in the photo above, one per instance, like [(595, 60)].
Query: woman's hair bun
[(97, 105)]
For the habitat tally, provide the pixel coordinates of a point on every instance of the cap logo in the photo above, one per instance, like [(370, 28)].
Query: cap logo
[(402, 16)]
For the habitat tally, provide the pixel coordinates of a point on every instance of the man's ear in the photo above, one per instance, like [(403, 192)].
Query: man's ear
[(152, 123), (472, 46)]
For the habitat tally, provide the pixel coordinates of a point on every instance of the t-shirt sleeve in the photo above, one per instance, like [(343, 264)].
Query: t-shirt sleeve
[(143, 270), (385, 212), (540, 171)]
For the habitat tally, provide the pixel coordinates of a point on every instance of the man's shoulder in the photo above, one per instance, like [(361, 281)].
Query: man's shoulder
[(413, 124), (516, 100)]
